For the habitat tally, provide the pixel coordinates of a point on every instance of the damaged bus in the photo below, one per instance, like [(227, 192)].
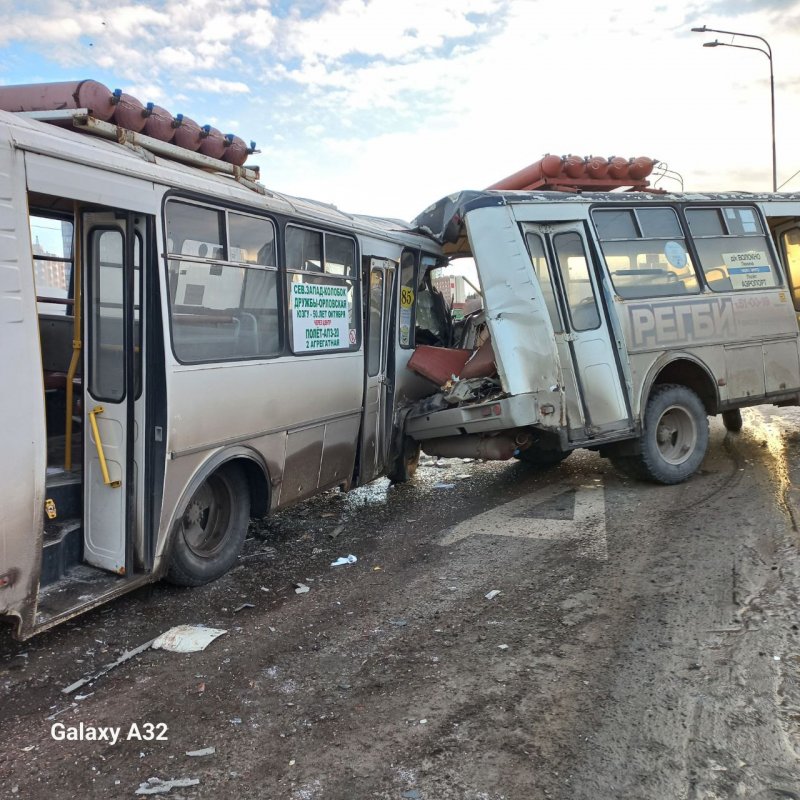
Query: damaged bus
[(182, 350), (612, 321)]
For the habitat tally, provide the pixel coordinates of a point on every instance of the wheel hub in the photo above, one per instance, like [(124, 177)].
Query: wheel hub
[(194, 513)]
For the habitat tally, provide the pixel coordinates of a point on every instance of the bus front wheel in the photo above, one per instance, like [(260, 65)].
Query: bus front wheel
[(211, 529), (675, 434), (404, 463)]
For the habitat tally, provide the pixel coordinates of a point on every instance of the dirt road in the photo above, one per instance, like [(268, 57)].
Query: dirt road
[(644, 644)]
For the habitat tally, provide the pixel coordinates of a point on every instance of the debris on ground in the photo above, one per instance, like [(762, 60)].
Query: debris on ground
[(206, 751), (267, 552), (242, 607), (344, 560), (126, 656), (491, 595), (336, 531), (157, 786), (444, 486), (301, 588), (186, 638)]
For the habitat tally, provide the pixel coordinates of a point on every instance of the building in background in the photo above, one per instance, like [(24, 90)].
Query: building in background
[(454, 289)]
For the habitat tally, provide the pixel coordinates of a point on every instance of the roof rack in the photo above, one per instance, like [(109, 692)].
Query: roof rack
[(147, 146)]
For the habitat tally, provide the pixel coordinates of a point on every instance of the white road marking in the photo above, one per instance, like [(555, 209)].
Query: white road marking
[(587, 527)]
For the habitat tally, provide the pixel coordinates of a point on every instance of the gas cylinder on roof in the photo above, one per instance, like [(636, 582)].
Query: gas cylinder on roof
[(639, 168), (158, 123), (596, 167), (551, 165), (521, 179), (574, 166), (236, 150), (187, 132), (212, 142), (128, 111), (59, 96), (617, 168)]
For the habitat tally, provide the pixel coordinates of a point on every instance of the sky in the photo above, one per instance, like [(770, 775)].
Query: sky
[(384, 106)]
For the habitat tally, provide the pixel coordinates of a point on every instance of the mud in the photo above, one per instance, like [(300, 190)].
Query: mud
[(644, 644)]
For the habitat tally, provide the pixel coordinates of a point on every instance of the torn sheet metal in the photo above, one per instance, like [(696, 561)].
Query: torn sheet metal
[(186, 638)]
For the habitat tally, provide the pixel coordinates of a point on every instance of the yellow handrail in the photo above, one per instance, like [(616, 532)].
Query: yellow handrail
[(100, 453)]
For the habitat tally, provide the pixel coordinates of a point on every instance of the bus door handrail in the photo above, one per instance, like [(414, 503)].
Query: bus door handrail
[(100, 452)]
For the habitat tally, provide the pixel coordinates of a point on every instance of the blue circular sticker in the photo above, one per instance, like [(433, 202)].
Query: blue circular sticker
[(676, 255)]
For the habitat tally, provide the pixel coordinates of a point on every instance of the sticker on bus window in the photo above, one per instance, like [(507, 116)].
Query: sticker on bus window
[(406, 297), (676, 254), (405, 326), (320, 317), (749, 270)]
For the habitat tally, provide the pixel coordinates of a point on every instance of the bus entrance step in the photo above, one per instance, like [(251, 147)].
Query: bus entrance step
[(64, 497), (63, 548)]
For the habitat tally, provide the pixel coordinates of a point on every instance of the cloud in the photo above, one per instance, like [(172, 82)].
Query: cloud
[(380, 106), (217, 86)]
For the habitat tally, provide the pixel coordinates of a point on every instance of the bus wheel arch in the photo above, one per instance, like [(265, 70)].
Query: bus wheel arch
[(684, 371), (211, 521)]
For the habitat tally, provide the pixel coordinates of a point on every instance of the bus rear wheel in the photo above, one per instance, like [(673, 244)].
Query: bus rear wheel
[(675, 435), (211, 529)]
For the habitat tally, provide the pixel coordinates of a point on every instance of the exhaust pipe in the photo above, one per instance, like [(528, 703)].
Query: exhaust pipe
[(489, 448)]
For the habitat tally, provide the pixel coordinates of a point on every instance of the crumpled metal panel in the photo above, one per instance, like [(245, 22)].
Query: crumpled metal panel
[(522, 335)]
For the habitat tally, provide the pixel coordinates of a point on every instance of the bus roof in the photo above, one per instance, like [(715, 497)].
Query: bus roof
[(70, 145)]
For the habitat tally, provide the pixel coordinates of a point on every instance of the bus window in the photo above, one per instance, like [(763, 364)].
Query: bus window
[(542, 270), (645, 252), (107, 368), (303, 249), (791, 248), (575, 275), (195, 230), (432, 317), (252, 240), (52, 262), (732, 248), (321, 291), (222, 309), (340, 255), (408, 295)]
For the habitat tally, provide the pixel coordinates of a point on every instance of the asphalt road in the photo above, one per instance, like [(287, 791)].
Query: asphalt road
[(644, 644)]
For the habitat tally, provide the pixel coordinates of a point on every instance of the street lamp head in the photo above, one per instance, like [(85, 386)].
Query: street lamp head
[(715, 43), (699, 30)]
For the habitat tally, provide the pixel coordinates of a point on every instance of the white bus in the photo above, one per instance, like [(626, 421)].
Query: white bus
[(616, 322), (181, 350)]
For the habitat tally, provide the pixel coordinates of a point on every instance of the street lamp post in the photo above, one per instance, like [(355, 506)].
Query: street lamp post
[(768, 54)]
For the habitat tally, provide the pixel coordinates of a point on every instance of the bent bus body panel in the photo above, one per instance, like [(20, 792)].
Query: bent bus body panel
[(23, 460), (522, 333)]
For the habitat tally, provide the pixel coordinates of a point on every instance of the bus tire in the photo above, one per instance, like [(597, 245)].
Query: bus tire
[(675, 434), (732, 420), (212, 528), (405, 463), (542, 459)]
